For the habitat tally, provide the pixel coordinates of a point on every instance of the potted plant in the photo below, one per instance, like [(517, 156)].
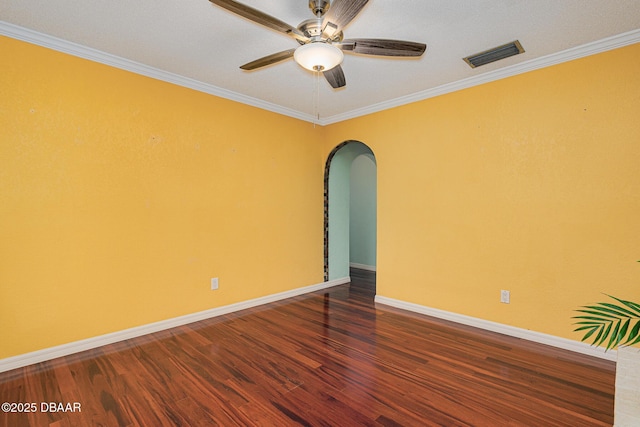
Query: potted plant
[(612, 325)]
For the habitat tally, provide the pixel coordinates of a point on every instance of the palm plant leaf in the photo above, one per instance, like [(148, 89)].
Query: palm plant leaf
[(635, 307), (612, 322), (634, 335)]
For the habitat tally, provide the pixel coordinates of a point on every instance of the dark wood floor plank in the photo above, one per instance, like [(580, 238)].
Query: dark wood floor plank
[(332, 357)]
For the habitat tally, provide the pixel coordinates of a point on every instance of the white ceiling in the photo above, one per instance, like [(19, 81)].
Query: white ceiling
[(200, 45)]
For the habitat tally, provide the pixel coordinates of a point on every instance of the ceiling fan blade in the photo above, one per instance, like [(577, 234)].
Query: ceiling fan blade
[(335, 77), (268, 60), (383, 47), (342, 12), (260, 18)]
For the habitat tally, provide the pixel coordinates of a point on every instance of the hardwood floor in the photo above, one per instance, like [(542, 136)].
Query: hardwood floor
[(330, 358)]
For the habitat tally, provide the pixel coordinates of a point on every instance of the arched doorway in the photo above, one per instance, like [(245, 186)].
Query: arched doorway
[(350, 214)]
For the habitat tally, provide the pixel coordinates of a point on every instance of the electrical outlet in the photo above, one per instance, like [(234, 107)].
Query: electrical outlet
[(214, 283), (505, 297)]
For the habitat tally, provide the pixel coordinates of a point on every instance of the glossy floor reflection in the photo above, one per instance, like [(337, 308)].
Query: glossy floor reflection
[(328, 358)]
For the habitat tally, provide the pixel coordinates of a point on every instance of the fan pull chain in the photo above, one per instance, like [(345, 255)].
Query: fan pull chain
[(316, 97)]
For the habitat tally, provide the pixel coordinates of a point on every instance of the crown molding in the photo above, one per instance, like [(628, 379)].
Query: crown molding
[(78, 50), (34, 37), (582, 51)]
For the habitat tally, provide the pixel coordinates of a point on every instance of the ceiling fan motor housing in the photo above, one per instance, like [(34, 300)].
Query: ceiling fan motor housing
[(312, 28), (319, 7)]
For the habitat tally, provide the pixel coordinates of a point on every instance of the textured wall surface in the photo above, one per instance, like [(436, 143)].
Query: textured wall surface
[(529, 184), (122, 196)]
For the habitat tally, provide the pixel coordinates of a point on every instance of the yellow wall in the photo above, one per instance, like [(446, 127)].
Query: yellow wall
[(529, 184), (121, 196)]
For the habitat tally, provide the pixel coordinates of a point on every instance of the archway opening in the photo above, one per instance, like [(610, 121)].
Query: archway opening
[(350, 213)]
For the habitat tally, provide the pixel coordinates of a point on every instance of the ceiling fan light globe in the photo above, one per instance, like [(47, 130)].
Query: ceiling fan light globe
[(318, 56)]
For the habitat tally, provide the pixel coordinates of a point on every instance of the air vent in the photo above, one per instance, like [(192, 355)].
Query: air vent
[(495, 54)]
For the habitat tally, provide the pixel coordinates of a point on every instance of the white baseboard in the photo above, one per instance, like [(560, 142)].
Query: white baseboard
[(362, 266), (513, 331), (22, 360)]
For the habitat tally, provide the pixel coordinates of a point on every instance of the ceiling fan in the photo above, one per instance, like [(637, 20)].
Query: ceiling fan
[(321, 39)]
